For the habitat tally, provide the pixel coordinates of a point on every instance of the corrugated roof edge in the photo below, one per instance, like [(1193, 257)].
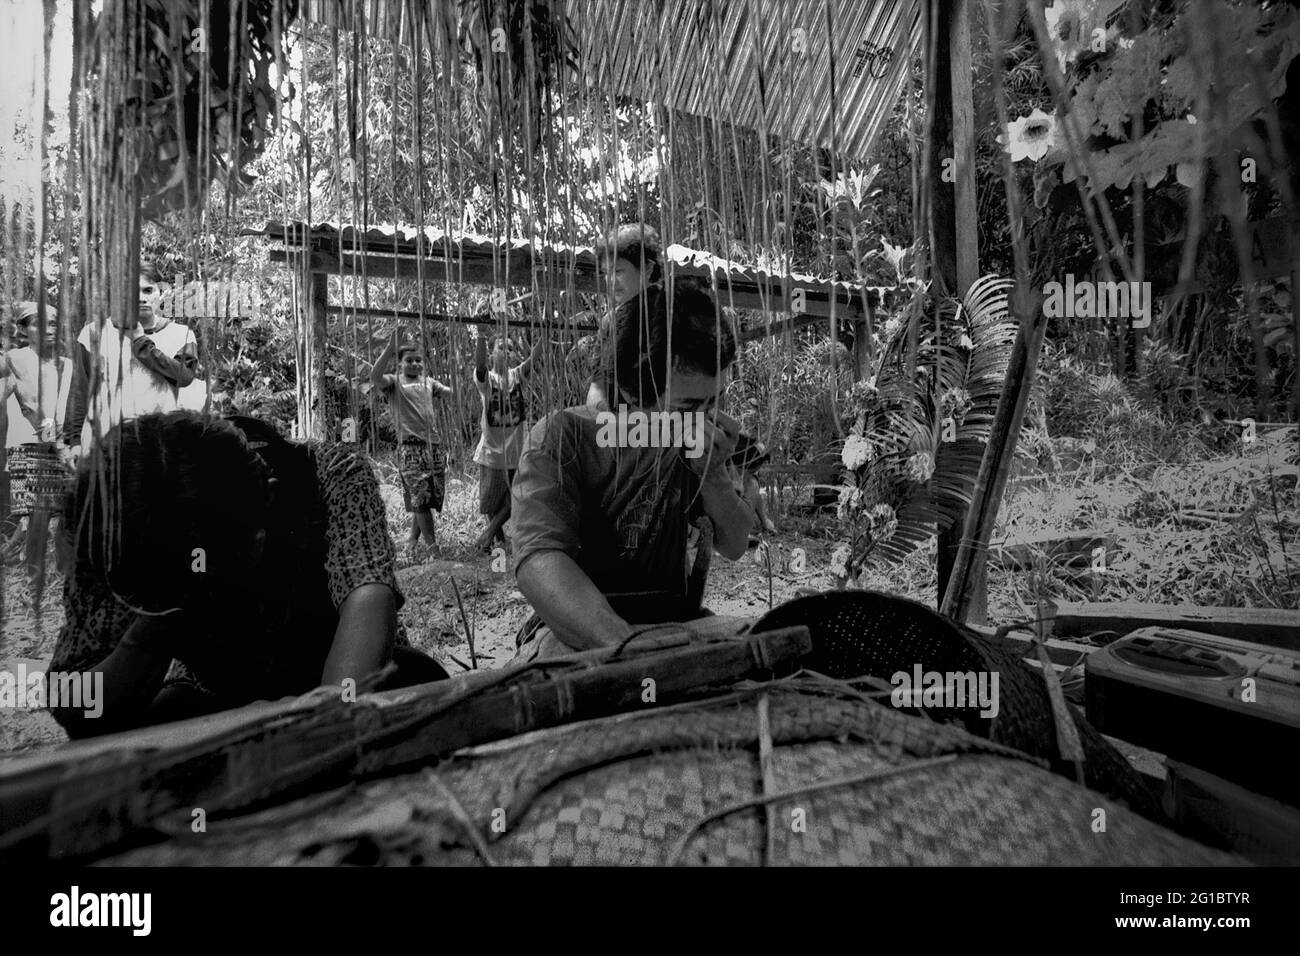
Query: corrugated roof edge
[(677, 253)]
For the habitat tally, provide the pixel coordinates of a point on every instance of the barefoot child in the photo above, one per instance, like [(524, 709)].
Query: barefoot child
[(503, 425), (410, 395)]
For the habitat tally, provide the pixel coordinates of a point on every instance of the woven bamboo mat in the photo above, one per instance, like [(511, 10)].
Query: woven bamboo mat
[(789, 773)]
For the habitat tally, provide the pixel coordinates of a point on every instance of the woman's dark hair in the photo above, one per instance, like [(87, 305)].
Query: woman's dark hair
[(702, 341), (159, 487), (401, 353), (638, 244)]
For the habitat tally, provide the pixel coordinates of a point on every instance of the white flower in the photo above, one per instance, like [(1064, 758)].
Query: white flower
[(850, 501), (921, 466), (1069, 25), (856, 453), (840, 561), (1030, 137), (884, 522)]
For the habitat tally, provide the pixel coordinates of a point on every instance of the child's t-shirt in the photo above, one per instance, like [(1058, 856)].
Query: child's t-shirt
[(502, 420), (412, 405)]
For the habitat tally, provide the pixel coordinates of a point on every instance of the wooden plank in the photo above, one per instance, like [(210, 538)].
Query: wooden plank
[(89, 796), (1071, 550), (767, 295), (966, 217), (1259, 828), (486, 320), (1064, 653), (1269, 626)]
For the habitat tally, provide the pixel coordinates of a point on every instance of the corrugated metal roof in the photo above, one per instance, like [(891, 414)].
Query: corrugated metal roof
[(764, 64), (439, 245)]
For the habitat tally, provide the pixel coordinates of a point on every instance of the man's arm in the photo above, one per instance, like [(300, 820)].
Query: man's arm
[(546, 500), (74, 416), (569, 603), (179, 369), (732, 518)]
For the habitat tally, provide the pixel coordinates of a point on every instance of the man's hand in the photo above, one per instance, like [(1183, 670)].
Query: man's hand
[(126, 323), (717, 444)]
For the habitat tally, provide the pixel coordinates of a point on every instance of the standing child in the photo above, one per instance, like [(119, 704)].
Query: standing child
[(503, 430), (410, 395)]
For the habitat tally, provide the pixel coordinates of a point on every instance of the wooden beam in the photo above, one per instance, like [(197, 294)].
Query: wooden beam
[(778, 328), (1064, 653), (1054, 549), (963, 144), (759, 294), (1215, 810), (82, 799), (951, 157), (485, 320), (317, 425), (1106, 622)]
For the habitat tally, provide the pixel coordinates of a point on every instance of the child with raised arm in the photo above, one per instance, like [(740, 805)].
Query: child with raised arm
[(410, 395), (503, 427)]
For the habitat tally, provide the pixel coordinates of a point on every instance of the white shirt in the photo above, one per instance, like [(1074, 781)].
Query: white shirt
[(127, 389)]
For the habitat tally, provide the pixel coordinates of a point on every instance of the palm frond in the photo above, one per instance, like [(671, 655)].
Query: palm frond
[(935, 380)]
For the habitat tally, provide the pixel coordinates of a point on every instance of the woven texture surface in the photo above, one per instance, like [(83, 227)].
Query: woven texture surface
[(859, 633), (637, 789)]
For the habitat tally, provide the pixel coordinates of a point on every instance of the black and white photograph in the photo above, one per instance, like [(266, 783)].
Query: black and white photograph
[(651, 434)]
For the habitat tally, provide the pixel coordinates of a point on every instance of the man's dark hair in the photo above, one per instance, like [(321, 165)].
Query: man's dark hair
[(638, 243), (149, 272), (702, 341), (401, 353), (159, 487)]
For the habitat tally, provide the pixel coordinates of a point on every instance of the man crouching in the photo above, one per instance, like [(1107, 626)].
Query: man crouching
[(602, 529)]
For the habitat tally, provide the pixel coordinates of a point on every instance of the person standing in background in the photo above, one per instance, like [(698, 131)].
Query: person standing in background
[(36, 383), (410, 395), (629, 261), (134, 366), (503, 427)]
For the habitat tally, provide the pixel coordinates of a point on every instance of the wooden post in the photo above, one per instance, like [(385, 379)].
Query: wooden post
[(956, 227), (311, 297), (320, 425)]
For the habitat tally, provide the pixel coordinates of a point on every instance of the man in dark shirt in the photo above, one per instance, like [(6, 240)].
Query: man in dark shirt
[(602, 528)]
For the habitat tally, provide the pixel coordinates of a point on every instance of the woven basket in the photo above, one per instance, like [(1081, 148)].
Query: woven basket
[(789, 773)]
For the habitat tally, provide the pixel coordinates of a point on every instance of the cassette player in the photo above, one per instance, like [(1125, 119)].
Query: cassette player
[(1227, 706)]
